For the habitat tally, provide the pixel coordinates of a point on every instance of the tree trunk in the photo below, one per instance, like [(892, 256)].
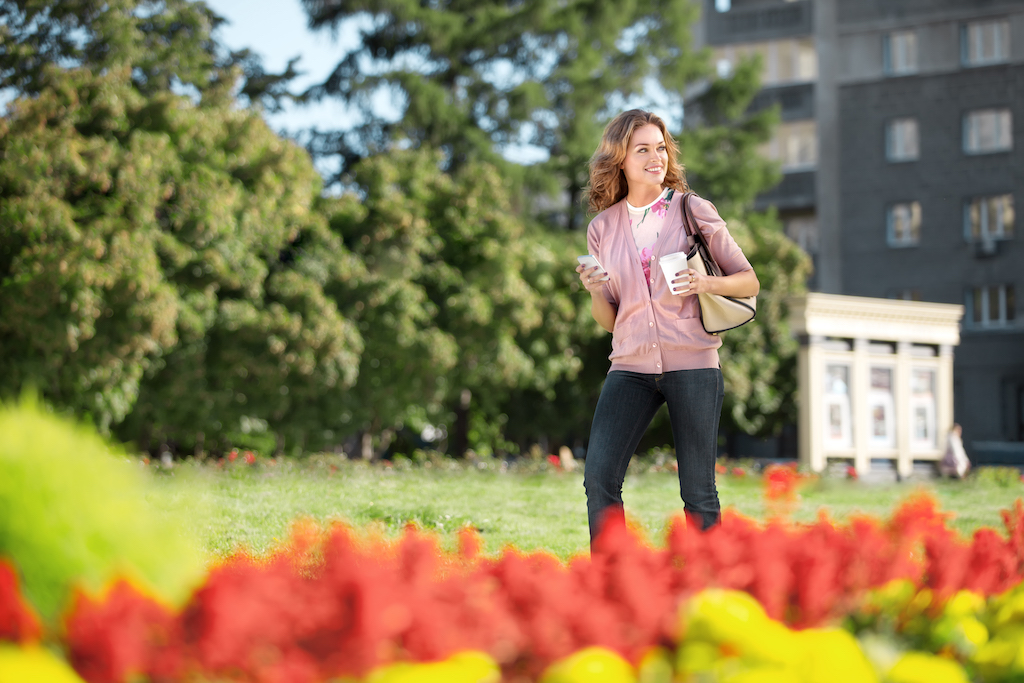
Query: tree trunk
[(386, 437), (574, 209), (143, 440), (460, 430), (366, 445)]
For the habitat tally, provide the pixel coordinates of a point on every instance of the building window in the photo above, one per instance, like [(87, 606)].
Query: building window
[(794, 146), (923, 432), (838, 417), (899, 53), (904, 224), (991, 306), (988, 130), (901, 140), (883, 409), (790, 60), (985, 42), (804, 231), (989, 218)]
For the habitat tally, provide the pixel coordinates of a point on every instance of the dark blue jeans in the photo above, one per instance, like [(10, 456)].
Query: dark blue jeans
[(627, 405)]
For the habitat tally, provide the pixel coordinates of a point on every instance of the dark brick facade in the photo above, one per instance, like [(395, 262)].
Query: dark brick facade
[(989, 364), (851, 11), (943, 266), (942, 179)]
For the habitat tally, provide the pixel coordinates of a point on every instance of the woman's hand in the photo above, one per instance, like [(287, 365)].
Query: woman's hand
[(741, 284), (689, 281), (593, 279)]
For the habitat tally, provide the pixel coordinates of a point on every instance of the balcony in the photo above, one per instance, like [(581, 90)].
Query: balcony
[(795, 101), (795, 192), (761, 21)]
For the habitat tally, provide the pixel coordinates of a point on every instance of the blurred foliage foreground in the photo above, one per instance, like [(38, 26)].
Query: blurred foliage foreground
[(97, 586)]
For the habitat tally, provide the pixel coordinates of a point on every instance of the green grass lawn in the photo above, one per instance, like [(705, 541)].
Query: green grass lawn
[(539, 509)]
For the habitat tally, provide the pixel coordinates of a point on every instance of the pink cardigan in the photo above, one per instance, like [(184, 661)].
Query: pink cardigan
[(656, 331)]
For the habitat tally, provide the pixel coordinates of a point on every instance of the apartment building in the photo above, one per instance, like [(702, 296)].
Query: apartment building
[(902, 148)]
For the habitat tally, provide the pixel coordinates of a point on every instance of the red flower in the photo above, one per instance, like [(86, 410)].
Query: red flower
[(780, 482), (738, 472), (122, 636), (720, 468), (851, 472), (233, 455), (555, 462), (18, 622), (250, 458)]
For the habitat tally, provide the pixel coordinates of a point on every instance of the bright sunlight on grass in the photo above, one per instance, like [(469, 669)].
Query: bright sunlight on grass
[(531, 507)]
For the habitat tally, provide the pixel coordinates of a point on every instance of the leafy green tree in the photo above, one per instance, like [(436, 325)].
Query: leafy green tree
[(560, 409), (263, 348), (161, 258), (187, 277), (162, 42), (474, 77), (403, 371), (461, 303), (86, 309), (759, 360)]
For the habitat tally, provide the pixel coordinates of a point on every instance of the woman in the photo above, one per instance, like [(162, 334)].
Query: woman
[(955, 462), (660, 351)]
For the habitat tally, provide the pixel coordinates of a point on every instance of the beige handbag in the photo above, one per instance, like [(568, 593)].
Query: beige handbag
[(718, 313)]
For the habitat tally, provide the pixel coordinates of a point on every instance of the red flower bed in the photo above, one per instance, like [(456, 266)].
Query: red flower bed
[(333, 603)]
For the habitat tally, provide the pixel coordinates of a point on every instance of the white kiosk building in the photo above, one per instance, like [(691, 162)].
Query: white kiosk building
[(876, 379)]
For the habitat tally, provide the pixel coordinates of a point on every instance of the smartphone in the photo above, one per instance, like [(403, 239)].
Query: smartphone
[(588, 261)]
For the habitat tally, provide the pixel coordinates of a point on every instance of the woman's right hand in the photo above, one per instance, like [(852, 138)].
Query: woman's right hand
[(593, 279)]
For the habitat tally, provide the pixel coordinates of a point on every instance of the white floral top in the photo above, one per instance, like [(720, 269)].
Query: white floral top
[(646, 222)]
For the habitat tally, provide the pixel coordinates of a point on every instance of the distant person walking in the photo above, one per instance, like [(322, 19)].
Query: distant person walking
[(660, 351), (955, 462)]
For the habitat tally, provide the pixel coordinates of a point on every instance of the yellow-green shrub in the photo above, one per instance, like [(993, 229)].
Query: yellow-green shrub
[(73, 508)]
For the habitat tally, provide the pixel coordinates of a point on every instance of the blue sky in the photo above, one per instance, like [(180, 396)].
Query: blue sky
[(277, 31)]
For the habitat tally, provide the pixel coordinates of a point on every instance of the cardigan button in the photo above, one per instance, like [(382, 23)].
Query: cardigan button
[(655, 345), (651, 323)]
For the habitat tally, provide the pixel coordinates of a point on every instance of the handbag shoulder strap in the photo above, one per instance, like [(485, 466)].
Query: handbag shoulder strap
[(687, 217), (693, 230), (690, 223)]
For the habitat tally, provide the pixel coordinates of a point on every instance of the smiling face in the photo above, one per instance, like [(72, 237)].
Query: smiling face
[(646, 159)]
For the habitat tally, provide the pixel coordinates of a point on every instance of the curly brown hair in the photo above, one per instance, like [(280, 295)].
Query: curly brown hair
[(607, 181)]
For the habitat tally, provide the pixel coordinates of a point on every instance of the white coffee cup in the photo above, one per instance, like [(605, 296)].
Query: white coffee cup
[(672, 264)]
